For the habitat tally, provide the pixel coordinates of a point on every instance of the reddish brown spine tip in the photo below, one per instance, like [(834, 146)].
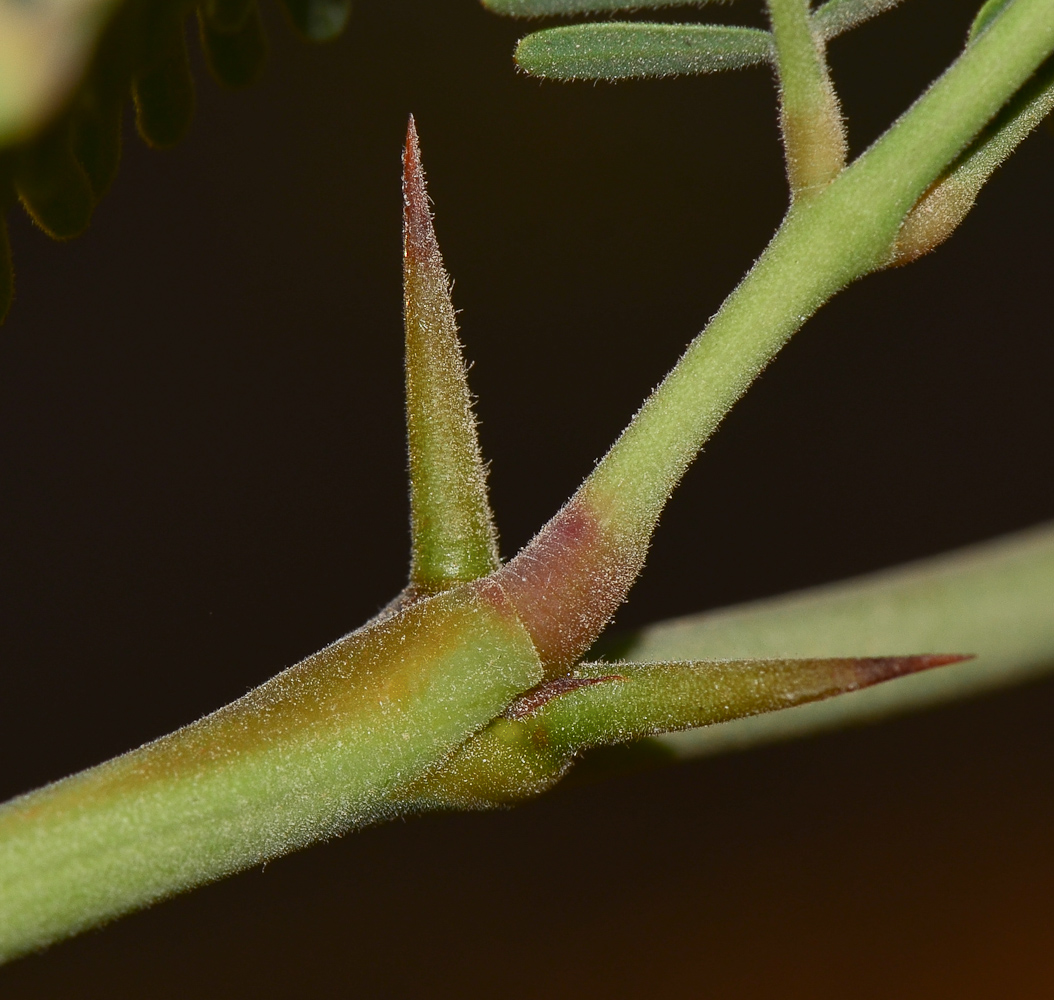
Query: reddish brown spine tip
[(875, 669), (544, 693), (419, 242)]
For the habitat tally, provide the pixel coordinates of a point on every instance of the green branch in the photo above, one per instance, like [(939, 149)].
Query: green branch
[(569, 581), (822, 246), (810, 118), (322, 747), (336, 740)]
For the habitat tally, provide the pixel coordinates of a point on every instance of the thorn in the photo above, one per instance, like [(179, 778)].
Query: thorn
[(453, 539)]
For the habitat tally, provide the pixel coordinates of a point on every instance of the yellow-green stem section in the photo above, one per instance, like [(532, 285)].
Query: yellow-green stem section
[(317, 750), (810, 119)]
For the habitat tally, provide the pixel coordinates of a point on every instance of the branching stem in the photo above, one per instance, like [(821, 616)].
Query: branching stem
[(823, 245), (334, 741)]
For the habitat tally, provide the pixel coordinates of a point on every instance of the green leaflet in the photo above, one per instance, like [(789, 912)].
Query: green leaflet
[(985, 16), (164, 90), (838, 16), (52, 185), (549, 8), (622, 51), (96, 137)]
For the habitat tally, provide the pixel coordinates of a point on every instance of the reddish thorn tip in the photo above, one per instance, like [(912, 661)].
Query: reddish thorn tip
[(875, 669), (418, 235), (944, 659), (412, 149)]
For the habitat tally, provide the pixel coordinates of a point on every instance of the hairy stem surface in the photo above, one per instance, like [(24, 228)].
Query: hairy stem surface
[(810, 118), (333, 741)]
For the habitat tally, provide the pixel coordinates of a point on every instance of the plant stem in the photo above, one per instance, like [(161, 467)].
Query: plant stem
[(822, 246), (810, 119), (321, 747), (568, 581), (333, 741)]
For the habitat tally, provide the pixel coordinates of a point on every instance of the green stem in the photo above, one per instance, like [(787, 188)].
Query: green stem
[(822, 246), (334, 741), (324, 746), (810, 119), (568, 581)]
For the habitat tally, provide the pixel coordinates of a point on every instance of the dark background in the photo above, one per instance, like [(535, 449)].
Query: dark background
[(203, 481)]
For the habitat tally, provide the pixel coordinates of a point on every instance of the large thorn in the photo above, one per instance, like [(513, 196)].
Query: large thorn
[(453, 535)]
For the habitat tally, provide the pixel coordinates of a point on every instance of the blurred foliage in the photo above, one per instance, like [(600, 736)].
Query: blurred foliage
[(68, 69)]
